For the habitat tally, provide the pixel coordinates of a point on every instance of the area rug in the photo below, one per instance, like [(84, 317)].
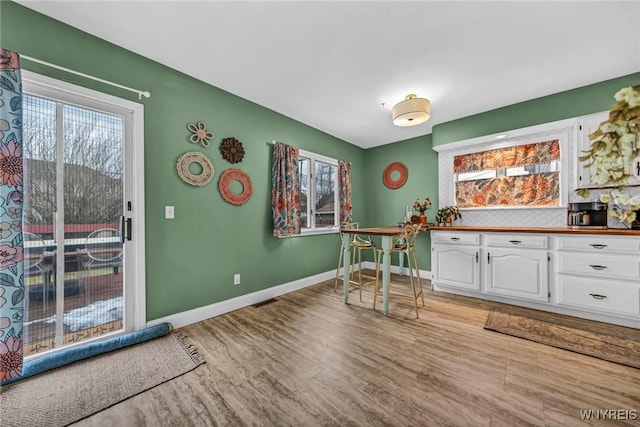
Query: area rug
[(609, 342), (71, 393)]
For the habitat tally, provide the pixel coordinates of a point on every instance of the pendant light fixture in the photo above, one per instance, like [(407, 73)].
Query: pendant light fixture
[(412, 111)]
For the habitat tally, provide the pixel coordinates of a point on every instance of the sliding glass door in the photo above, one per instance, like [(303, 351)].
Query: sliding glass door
[(75, 201)]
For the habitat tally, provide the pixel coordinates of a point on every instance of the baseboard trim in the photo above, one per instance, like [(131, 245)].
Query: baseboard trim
[(185, 318)]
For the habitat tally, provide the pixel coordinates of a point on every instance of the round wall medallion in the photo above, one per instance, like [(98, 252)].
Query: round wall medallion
[(224, 185), (232, 150), (189, 177), (395, 183)]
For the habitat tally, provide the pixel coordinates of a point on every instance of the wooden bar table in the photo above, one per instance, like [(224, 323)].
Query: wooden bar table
[(386, 233)]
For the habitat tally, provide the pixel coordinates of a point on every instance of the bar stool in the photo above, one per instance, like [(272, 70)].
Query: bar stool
[(357, 245), (405, 244)]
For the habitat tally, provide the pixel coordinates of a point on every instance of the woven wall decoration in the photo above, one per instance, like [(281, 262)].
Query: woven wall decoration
[(190, 178), (224, 185), (199, 134), (232, 150), (395, 167)]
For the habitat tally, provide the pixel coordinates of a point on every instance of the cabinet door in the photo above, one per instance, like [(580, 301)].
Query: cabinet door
[(586, 125), (456, 266), (518, 273)]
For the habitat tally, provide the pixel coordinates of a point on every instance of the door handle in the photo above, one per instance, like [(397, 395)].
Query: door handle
[(128, 228), (122, 225), (477, 257)]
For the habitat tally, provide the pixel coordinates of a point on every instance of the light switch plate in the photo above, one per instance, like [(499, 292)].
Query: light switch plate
[(169, 212)]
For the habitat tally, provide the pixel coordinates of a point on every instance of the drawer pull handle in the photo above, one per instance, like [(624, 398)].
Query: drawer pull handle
[(597, 245), (515, 242), (597, 267), (598, 296), (455, 239)]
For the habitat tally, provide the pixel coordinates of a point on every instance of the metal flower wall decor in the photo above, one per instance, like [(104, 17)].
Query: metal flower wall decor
[(616, 142), (232, 150)]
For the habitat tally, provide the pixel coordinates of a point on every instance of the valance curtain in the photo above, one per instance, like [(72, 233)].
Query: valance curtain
[(12, 286), (285, 190), (530, 189), (344, 182)]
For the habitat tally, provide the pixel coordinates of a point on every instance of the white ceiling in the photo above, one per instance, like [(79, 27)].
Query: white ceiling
[(331, 65)]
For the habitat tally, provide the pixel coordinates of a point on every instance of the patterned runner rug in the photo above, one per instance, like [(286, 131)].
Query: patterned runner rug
[(609, 342), (71, 393)]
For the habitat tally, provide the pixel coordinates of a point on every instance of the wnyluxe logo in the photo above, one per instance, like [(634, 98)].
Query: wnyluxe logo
[(608, 414)]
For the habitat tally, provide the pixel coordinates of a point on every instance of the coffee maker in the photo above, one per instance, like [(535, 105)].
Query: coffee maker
[(587, 214)]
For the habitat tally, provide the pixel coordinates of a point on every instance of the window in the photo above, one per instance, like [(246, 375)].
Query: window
[(318, 180), (519, 175)]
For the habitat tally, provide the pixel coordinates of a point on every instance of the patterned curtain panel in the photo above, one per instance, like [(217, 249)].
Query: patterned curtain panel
[(12, 287), (344, 173), (526, 190), (520, 155), (285, 192)]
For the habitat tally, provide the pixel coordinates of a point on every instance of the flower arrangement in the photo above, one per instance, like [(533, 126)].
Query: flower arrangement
[(622, 205), (422, 206), (447, 212), (615, 143)]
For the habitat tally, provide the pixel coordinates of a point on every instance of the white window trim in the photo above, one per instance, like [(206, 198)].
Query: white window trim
[(47, 87), (333, 162), (563, 130)]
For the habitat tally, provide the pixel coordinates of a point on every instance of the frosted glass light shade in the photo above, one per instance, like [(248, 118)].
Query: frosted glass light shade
[(412, 111)]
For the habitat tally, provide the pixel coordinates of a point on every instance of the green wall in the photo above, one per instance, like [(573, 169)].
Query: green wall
[(563, 105), (385, 206), (191, 259)]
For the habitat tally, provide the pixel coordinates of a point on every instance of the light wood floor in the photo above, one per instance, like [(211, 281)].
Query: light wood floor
[(308, 359)]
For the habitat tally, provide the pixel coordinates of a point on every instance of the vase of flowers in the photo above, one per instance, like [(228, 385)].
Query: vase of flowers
[(422, 207), (447, 214), (622, 206)]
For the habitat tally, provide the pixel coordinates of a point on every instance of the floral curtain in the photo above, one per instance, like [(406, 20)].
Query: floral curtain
[(285, 195), (529, 189), (526, 190), (12, 287), (519, 155), (344, 183)]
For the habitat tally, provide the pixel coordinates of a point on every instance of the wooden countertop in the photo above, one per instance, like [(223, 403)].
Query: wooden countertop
[(555, 230)]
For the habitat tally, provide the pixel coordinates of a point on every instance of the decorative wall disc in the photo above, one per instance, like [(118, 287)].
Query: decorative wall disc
[(190, 178), (232, 150), (224, 185), (200, 134), (395, 167)]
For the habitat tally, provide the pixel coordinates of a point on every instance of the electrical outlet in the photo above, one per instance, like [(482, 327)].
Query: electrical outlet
[(236, 279), (169, 212)]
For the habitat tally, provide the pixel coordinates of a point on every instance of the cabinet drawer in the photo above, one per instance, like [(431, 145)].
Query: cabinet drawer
[(518, 241), (599, 244), (615, 266), (455, 238), (602, 295)]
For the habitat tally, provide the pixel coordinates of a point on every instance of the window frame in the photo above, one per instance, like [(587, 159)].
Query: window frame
[(311, 196)]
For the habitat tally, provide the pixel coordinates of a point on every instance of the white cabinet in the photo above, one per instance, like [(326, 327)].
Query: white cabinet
[(520, 273), (456, 266), (586, 125), (599, 273), (585, 275), (455, 259)]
